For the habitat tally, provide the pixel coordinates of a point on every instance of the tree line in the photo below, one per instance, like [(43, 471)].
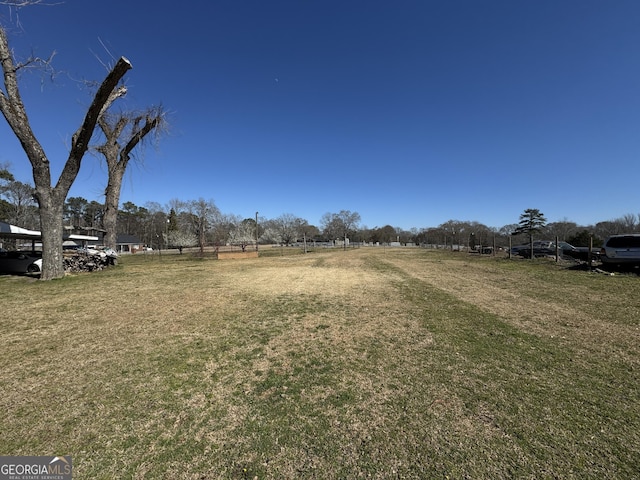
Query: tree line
[(200, 223)]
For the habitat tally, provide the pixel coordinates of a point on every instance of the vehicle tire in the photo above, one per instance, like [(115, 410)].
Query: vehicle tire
[(33, 268)]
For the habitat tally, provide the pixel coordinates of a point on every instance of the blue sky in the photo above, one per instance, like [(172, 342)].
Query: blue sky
[(410, 113)]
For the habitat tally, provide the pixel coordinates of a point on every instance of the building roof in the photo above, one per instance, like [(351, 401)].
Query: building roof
[(126, 239), (11, 231)]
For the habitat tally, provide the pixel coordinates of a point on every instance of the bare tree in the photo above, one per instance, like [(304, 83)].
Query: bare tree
[(307, 231), (456, 232), (123, 132), (221, 231), (506, 232), (562, 229), (288, 227), (157, 223), (179, 226), (20, 198), (337, 225), (629, 222), (203, 215), (51, 198)]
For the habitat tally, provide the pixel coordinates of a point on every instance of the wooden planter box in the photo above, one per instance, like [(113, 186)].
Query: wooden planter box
[(235, 255)]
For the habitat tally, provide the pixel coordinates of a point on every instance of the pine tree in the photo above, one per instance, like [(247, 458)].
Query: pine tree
[(531, 221)]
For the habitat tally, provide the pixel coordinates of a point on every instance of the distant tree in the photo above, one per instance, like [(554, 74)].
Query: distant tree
[(126, 217), (93, 214), (531, 221), (203, 215), (146, 223), (456, 231), (420, 237), (155, 225), (50, 198), (403, 236), (180, 233), (181, 239), (172, 220), (340, 225), (330, 226), (5, 206), (308, 232), (5, 209), (435, 236), (288, 227), (21, 202), (629, 222), (17, 201), (508, 230), (5, 174), (480, 234), (269, 232), (561, 229), (142, 224), (386, 234), (583, 239), (606, 228), (74, 210), (220, 232), (243, 233), (349, 220)]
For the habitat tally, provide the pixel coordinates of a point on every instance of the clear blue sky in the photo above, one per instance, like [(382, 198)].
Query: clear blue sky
[(410, 113)]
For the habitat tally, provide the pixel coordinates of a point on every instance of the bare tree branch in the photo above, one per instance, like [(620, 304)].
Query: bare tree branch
[(80, 140), (15, 5), (120, 92), (25, 3)]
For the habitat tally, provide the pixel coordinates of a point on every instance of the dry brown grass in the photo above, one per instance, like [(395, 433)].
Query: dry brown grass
[(539, 303)]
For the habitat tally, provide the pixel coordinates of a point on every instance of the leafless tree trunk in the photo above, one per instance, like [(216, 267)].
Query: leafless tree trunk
[(51, 198), (122, 132)]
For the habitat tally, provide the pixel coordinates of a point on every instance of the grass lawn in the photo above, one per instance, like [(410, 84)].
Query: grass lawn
[(380, 363)]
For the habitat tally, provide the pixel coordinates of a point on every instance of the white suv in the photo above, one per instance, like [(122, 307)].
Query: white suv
[(621, 250)]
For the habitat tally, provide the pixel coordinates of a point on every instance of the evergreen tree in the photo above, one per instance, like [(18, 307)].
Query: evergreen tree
[(531, 221)]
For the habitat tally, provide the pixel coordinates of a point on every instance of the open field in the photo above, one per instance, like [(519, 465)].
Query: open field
[(380, 363)]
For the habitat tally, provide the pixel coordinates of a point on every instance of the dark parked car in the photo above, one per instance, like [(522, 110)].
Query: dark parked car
[(582, 253), (21, 262), (619, 250), (543, 248)]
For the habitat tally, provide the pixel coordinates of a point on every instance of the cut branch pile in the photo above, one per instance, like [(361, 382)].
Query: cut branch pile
[(87, 262)]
